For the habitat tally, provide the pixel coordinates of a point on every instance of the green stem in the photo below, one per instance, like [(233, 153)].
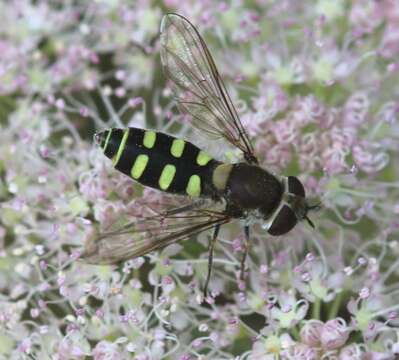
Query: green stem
[(358, 193), (295, 332), (332, 314), (316, 309)]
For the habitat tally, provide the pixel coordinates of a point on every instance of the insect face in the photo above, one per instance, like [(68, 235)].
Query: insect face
[(293, 208), (284, 221)]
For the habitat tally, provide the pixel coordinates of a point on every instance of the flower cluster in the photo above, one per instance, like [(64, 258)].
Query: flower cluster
[(316, 87)]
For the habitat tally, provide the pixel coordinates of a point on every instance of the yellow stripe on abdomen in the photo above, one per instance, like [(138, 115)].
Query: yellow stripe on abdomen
[(162, 161), (122, 145), (167, 175), (139, 166), (177, 147), (203, 158), (107, 139), (149, 139), (194, 186)]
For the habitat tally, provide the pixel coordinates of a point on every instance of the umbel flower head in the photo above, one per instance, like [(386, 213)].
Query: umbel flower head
[(316, 87)]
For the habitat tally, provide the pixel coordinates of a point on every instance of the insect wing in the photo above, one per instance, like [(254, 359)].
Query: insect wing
[(150, 234), (198, 86)]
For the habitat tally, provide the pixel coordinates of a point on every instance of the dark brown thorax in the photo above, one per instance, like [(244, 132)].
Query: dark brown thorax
[(250, 187)]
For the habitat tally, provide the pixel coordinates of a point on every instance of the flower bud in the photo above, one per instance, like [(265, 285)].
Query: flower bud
[(311, 331), (334, 334)]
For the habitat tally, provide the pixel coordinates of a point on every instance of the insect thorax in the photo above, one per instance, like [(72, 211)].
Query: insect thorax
[(254, 195), (251, 189)]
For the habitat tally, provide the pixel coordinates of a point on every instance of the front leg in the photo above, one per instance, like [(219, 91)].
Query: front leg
[(246, 250)]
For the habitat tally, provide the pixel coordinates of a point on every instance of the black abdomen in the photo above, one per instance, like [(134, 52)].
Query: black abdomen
[(159, 160)]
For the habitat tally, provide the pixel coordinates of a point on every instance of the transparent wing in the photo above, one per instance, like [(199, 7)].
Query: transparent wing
[(152, 233), (198, 86)]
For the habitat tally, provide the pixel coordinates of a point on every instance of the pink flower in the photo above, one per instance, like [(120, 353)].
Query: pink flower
[(351, 352), (334, 334), (104, 350), (311, 332), (316, 89)]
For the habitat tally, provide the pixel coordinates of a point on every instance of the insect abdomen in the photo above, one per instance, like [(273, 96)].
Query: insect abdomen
[(159, 160)]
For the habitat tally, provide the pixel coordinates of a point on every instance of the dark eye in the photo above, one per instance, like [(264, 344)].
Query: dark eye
[(284, 221), (295, 186)]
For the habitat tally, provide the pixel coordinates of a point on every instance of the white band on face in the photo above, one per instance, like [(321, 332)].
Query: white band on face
[(266, 225)]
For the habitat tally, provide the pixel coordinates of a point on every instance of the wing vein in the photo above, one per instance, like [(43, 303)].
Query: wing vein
[(198, 86)]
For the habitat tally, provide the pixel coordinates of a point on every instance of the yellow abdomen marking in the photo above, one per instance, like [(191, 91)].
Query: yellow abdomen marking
[(139, 166), (149, 139), (221, 175), (166, 178), (107, 139), (194, 186), (177, 147), (203, 158), (116, 158)]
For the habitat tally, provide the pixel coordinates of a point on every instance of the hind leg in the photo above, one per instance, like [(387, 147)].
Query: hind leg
[(210, 258)]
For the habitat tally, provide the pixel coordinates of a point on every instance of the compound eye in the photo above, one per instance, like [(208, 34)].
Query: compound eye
[(295, 186), (284, 221)]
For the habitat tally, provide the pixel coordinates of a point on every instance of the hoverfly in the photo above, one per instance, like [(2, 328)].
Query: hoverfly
[(242, 190)]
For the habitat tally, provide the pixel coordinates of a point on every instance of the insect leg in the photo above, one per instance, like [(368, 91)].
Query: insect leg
[(210, 257), (246, 250)]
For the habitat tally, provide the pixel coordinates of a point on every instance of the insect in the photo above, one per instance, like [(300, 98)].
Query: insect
[(241, 191)]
